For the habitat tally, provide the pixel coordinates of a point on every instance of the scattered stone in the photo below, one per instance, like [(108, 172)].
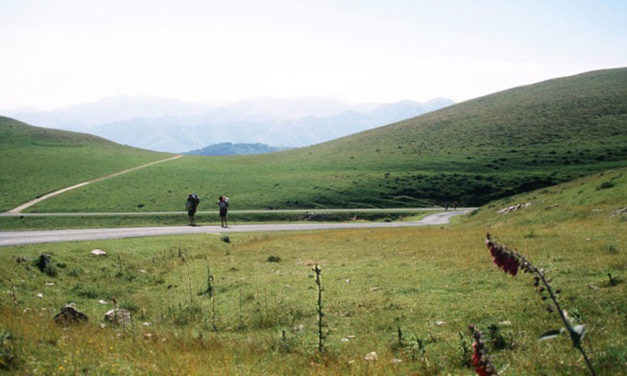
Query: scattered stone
[(352, 361), (44, 262), (21, 259), (440, 323), (348, 281), (350, 337), (395, 360), (98, 252), (102, 302), (593, 287), (70, 315), (40, 295), (505, 323), (514, 208), (49, 283), (118, 316), (147, 335), (102, 325), (371, 356), (146, 323), (376, 288), (588, 239), (142, 271), (345, 339)]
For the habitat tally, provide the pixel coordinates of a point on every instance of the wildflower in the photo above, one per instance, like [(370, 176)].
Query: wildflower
[(510, 261), (506, 259), (480, 360)]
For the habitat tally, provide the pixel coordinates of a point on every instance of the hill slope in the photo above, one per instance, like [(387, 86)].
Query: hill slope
[(471, 153), (600, 197), (36, 160)]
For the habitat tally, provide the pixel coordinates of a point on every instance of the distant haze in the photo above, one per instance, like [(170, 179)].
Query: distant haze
[(175, 126)]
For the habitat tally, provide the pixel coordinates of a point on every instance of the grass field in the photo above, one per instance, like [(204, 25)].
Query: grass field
[(35, 161), (470, 153), (431, 283)]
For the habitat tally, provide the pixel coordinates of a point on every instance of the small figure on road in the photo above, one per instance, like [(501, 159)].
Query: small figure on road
[(223, 203), (192, 205)]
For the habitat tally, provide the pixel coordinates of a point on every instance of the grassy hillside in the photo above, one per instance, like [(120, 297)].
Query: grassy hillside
[(470, 153), (602, 196), (429, 282), (35, 161)]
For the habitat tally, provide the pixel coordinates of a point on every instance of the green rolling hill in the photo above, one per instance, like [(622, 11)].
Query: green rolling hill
[(470, 153), (35, 161)]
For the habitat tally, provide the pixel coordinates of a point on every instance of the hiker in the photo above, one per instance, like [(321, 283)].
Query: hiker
[(223, 203), (192, 205)]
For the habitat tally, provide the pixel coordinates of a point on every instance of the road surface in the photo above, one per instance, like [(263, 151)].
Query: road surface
[(8, 238)]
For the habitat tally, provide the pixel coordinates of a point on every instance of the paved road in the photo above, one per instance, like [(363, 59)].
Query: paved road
[(210, 212), (32, 237)]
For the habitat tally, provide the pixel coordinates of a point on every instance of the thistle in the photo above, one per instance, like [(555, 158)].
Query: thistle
[(321, 335)]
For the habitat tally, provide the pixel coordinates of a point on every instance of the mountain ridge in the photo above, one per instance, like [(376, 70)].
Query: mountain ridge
[(293, 122)]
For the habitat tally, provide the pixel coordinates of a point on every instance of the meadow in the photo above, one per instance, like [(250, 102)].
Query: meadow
[(470, 154), (36, 161), (427, 284)]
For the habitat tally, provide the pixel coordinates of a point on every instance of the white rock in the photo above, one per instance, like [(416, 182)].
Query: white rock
[(371, 356), (345, 339), (142, 271), (439, 323), (98, 252), (40, 295), (395, 360), (49, 283), (350, 337), (102, 302), (146, 323), (505, 323)]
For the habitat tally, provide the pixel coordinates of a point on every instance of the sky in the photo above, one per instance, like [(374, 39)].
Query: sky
[(56, 53)]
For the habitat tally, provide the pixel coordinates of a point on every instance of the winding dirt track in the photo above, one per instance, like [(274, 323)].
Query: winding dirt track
[(55, 193), (32, 237)]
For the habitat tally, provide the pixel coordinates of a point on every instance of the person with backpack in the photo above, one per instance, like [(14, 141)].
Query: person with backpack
[(223, 203), (192, 205)]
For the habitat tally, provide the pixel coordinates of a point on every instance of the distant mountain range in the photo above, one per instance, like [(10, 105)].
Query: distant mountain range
[(175, 126), (228, 148)]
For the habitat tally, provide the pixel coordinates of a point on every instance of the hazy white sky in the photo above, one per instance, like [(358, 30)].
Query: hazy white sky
[(61, 52)]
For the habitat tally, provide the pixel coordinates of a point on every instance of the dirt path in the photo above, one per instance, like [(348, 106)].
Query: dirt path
[(31, 237), (19, 209)]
